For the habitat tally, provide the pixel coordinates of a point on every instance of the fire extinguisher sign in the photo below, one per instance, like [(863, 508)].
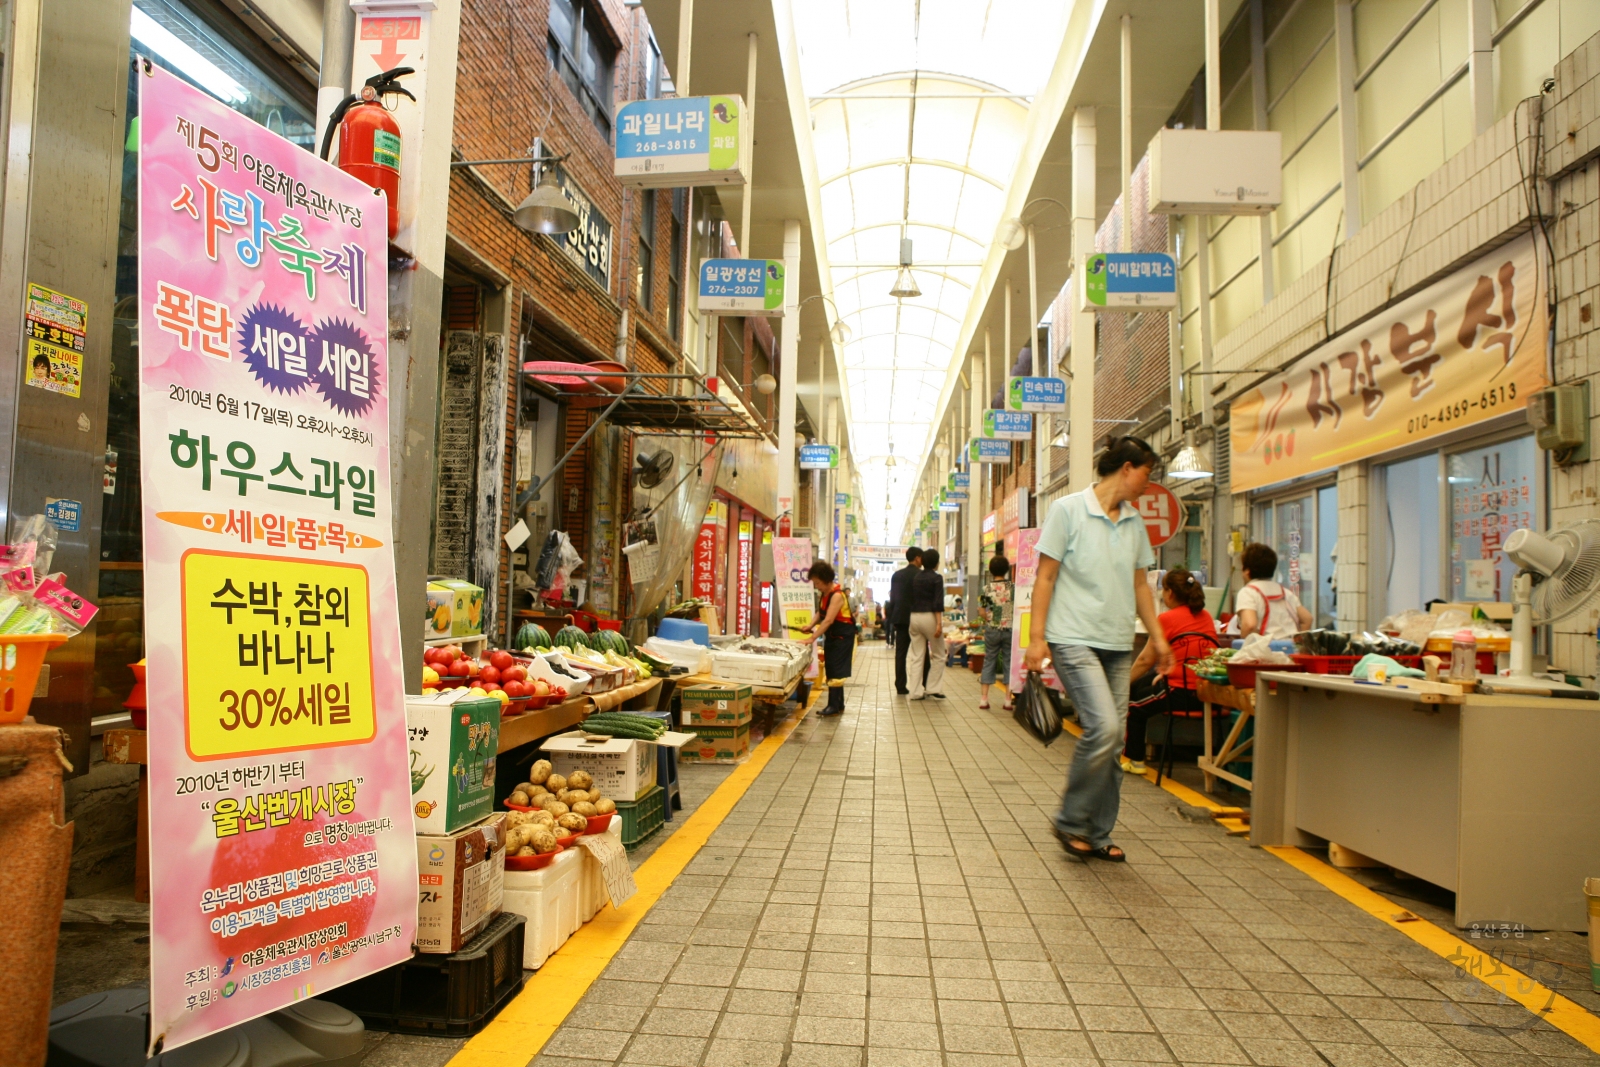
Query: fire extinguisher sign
[(279, 784)]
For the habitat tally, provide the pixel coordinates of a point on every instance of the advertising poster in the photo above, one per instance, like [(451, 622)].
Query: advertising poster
[(1463, 350), (279, 786), (1025, 564), (791, 559), (703, 581), (55, 325)]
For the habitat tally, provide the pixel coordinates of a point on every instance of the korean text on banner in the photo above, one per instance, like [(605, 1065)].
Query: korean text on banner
[(791, 559), (278, 759), (1463, 350), (1022, 574)]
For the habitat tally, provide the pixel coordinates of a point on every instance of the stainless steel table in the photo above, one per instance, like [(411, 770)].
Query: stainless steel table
[(1496, 798)]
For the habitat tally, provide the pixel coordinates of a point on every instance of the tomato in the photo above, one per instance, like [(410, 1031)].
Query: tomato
[(514, 673), (490, 687), (500, 659), (515, 689), (461, 668), (489, 674)]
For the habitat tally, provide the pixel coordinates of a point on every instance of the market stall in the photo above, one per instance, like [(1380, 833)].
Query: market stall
[(1492, 797)]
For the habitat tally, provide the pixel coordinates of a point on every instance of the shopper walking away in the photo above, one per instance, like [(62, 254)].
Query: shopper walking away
[(926, 623), (900, 597), (1093, 554), (1263, 605), (994, 609), (1192, 634), (836, 626)]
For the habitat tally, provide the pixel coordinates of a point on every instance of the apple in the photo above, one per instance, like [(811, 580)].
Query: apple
[(539, 687), (515, 689), (460, 669), (491, 673), (514, 673), (500, 659)]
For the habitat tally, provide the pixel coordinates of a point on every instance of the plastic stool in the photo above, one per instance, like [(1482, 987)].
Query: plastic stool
[(666, 767)]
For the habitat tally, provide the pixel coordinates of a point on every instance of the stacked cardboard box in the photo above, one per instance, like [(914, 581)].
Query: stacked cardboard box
[(719, 715), (460, 839)]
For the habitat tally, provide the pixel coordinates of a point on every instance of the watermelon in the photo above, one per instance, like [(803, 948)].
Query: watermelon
[(572, 637), (613, 641), (531, 635)]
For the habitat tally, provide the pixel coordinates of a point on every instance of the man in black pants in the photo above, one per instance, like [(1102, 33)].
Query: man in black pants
[(900, 597)]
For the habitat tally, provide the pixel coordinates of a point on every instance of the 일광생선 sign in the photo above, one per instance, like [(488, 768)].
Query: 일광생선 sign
[(279, 787), (1463, 350)]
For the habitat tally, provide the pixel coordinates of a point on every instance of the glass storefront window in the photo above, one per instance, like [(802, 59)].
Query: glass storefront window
[(1493, 491), (182, 40), (1408, 572), (1303, 530)]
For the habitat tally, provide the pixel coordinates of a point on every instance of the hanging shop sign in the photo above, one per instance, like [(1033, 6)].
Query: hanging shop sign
[(703, 577), (670, 142), (819, 457), (1463, 350), (1118, 281), (989, 531), (878, 553), (841, 500), (1215, 172), (279, 781), (742, 286), (1037, 394), (959, 480), (1007, 425), (955, 496), (746, 561), (989, 450), (589, 243), (1161, 512)]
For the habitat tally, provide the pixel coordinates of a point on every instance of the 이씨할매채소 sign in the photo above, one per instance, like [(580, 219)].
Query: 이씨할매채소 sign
[(279, 785), (1113, 281)]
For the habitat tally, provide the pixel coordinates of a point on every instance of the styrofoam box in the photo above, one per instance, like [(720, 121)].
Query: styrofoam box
[(752, 667), (548, 899)]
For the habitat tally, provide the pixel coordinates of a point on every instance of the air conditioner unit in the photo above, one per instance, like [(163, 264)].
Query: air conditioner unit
[(1215, 172)]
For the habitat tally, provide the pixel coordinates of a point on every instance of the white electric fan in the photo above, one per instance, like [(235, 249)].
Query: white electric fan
[(1558, 574)]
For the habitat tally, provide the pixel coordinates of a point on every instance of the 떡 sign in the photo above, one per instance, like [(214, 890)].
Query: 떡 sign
[(989, 450), (745, 286), (279, 785), (1463, 350), (819, 457), (671, 142), (1161, 512), (1113, 281), (1037, 394), (1007, 425)]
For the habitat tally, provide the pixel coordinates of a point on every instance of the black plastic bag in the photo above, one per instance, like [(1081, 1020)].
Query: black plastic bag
[(1035, 709)]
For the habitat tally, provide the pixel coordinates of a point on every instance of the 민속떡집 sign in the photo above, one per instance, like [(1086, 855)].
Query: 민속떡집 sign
[(671, 141), (1037, 394), (748, 286), (279, 785), (1463, 350)]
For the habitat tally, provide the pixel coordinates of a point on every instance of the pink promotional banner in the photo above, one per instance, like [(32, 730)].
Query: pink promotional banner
[(280, 799), (1024, 568)]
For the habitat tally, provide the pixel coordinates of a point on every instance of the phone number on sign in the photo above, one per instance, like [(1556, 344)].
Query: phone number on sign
[(1499, 396), (249, 409)]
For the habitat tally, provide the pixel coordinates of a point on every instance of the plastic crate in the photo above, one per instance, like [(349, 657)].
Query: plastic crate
[(443, 996), (642, 818)]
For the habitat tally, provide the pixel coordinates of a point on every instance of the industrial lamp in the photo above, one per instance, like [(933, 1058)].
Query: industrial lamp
[(905, 286), (1187, 464), (546, 209)]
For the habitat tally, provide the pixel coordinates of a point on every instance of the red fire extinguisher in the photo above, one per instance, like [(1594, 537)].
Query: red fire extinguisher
[(369, 138)]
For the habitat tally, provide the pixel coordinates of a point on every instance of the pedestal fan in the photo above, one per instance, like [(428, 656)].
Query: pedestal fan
[(1558, 573)]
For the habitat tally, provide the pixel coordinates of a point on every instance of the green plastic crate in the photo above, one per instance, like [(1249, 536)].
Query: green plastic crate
[(642, 818)]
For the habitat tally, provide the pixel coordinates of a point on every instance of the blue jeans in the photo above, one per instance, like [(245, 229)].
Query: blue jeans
[(1097, 681)]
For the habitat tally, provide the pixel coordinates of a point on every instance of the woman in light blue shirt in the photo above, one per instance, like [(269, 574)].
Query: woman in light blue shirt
[(1093, 554)]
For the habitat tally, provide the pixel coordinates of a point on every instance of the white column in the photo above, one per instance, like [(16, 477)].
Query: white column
[(1213, 122), (788, 370), (1344, 30), (1041, 361), (1480, 63), (680, 76), (750, 123), (1008, 359), (1081, 427), (1126, 243), (974, 513), (1258, 100), (831, 419)]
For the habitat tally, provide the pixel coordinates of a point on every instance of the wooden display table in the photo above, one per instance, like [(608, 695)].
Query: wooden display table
[(1494, 798), (518, 730), (1211, 762)]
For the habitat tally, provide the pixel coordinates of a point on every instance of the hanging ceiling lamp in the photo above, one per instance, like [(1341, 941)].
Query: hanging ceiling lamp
[(1187, 465), (905, 286)]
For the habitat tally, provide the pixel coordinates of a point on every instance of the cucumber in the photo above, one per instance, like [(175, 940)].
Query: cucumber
[(620, 730)]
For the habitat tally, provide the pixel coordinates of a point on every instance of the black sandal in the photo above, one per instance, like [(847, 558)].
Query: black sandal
[(1109, 853)]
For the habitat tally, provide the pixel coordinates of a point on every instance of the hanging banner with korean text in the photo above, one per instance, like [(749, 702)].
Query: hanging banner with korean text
[(1026, 555), (279, 787), (1461, 351), (791, 559)]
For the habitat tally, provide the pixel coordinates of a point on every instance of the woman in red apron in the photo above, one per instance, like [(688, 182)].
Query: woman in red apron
[(837, 628)]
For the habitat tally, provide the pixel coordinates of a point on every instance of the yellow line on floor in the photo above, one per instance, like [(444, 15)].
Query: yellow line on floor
[(521, 1029), (1546, 1003), (1565, 1015)]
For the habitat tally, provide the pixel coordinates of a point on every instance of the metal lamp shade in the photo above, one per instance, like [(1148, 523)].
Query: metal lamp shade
[(546, 210)]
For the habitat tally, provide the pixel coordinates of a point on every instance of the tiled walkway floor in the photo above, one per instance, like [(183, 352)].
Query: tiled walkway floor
[(888, 894)]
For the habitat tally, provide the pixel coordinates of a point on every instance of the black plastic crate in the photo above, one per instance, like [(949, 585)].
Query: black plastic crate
[(443, 996)]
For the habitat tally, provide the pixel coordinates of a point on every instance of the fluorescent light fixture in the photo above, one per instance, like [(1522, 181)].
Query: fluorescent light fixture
[(164, 43)]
